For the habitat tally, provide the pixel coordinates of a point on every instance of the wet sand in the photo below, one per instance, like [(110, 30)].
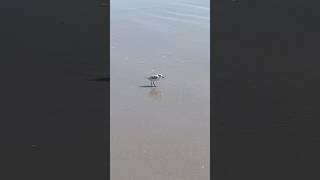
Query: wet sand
[(54, 120), (162, 132)]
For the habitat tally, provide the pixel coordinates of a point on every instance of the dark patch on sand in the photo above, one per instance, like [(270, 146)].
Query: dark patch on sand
[(147, 86)]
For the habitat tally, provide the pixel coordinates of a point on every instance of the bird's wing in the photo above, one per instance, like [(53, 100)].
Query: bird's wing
[(153, 77)]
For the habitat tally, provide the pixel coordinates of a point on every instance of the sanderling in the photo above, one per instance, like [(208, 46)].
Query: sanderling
[(154, 78)]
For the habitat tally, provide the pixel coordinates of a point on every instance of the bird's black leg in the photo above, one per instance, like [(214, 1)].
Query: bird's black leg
[(151, 83)]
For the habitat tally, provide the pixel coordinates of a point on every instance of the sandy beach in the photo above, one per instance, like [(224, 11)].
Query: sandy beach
[(161, 132), (54, 122)]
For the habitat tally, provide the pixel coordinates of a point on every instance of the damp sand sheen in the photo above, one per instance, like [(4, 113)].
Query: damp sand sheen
[(160, 133)]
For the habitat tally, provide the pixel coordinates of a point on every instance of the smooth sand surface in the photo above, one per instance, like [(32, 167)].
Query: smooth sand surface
[(160, 133), (53, 124)]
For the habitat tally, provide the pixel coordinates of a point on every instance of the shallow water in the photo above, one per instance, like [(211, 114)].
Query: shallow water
[(160, 133)]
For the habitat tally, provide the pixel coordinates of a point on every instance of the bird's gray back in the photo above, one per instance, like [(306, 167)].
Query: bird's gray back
[(153, 77)]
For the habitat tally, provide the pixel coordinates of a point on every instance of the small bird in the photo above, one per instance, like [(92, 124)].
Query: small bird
[(154, 78)]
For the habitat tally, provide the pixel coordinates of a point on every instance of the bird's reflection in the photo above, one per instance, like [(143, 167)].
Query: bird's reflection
[(155, 93)]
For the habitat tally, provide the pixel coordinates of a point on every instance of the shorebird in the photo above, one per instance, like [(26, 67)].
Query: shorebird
[(154, 78)]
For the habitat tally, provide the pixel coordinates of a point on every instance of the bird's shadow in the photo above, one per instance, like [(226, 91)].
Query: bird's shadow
[(147, 86)]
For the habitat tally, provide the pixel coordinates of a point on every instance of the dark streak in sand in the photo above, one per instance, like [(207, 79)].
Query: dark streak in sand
[(147, 86)]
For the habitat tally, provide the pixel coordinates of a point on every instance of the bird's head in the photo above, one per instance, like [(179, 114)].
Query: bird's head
[(160, 75)]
